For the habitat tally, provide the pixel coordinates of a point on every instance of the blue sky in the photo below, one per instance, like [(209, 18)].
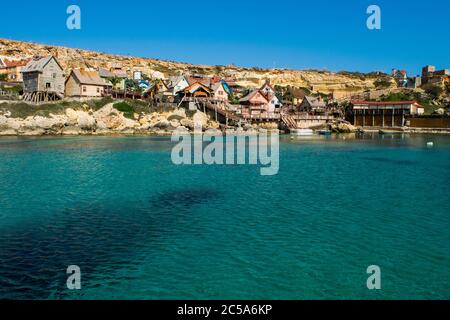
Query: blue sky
[(292, 34)]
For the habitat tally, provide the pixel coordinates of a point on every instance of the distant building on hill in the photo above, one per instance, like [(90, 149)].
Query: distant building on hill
[(430, 75), (414, 82), (401, 77), (43, 80)]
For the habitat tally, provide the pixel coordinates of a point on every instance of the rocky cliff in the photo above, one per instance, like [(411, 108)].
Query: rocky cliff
[(321, 81)]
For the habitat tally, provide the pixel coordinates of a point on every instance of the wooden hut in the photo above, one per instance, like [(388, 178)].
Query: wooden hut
[(83, 83), (43, 80)]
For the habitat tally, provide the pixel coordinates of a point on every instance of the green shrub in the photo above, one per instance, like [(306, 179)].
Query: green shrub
[(382, 83), (123, 107), (433, 90)]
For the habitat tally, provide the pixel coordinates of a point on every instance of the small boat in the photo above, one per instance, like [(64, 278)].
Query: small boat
[(302, 132), (325, 132)]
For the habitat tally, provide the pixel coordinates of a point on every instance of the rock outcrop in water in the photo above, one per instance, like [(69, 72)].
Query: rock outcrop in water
[(343, 127)]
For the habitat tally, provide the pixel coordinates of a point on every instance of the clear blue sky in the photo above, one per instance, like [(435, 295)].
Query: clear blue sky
[(324, 34)]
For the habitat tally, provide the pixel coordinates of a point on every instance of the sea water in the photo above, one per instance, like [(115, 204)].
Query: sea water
[(140, 227)]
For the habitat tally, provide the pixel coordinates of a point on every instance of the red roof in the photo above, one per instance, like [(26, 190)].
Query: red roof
[(385, 102), (15, 63)]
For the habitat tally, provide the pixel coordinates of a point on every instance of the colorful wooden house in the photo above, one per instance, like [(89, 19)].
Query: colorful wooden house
[(220, 92), (43, 80), (271, 95), (108, 77), (159, 91), (83, 83), (267, 89), (198, 90), (177, 84), (313, 104), (13, 69), (254, 105)]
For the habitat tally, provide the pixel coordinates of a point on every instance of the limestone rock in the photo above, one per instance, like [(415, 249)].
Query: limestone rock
[(440, 111), (344, 128), (178, 114), (162, 124), (213, 125), (200, 119), (174, 123), (86, 121), (187, 123), (109, 118)]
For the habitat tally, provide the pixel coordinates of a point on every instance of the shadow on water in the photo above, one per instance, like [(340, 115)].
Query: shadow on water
[(388, 160), (100, 239), (184, 198)]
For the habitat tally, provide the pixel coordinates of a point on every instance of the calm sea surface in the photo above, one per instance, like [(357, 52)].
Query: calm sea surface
[(140, 227)]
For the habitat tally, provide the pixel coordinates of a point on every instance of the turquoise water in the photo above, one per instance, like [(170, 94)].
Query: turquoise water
[(140, 227)]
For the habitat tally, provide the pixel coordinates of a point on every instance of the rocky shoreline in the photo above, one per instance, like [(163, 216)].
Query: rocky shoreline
[(105, 121), (109, 121)]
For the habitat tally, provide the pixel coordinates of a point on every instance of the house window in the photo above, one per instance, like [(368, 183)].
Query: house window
[(48, 85), (84, 88), (98, 90), (54, 76)]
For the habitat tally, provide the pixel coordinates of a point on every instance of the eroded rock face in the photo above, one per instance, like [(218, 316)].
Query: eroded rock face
[(108, 118), (69, 58)]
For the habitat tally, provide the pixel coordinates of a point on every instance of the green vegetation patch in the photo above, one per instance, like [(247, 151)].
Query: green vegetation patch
[(129, 107), (124, 107), (423, 99), (23, 110), (382, 83)]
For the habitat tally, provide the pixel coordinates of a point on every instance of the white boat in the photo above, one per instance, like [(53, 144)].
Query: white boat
[(302, 132)]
